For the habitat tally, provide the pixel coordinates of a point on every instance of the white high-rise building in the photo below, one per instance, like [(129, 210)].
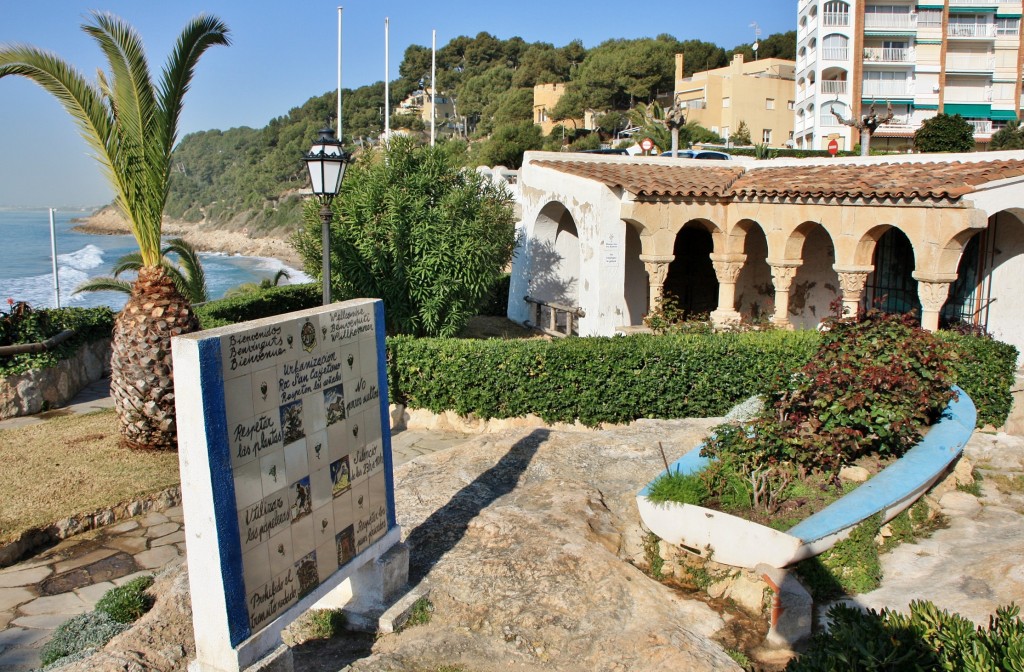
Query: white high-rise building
[(924, 57)]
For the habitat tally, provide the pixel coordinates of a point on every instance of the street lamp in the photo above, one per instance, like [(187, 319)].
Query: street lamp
[(326, 162)]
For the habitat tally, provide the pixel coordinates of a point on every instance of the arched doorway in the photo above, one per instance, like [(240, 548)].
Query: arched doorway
[(555, 257), (891, 287), (691, 279), (635, 281), (755, 293)]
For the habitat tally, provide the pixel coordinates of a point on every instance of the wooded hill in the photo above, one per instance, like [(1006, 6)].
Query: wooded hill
[(248, 177)]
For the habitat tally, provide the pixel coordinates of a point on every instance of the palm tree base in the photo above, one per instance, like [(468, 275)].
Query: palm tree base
[(141, 377)]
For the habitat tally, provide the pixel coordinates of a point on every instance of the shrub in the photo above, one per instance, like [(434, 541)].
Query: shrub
[(869, 390), (326, 623), (127, 603), (256, 305), (985, 369), (32, 326), (676, 487), (928, 639), (78, 633)]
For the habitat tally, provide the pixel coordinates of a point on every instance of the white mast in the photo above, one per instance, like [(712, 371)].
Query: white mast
[(387, 87), (53, 258), (433, 85), (339, 74)]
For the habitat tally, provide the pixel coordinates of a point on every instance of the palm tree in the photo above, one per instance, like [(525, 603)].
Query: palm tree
[(187, 273), (131, 124)]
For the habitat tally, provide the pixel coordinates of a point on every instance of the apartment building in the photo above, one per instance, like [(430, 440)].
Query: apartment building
[(418, 103), (759, 93), (923, 57)]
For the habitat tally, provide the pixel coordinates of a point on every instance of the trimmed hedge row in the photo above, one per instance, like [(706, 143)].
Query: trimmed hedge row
[(609, 379), (89, 324), (592, 379)]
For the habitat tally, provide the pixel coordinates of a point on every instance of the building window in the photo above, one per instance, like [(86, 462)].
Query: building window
[(790, 105), (769, 103), (1007, 26), (766, 136), (726, 102), (929, 18)]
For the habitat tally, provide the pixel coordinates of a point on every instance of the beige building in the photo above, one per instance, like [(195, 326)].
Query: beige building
[(418, 103), (760, 93), (545, 97)]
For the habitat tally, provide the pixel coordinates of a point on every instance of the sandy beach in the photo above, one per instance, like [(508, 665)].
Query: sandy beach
[(108, 222)]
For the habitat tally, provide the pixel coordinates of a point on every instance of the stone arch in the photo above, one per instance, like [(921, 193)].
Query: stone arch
[(891, 286), (755, 293), (555, 256), (691, 278), (1001, 301), (815, 284), (793, 248), (865, 249)]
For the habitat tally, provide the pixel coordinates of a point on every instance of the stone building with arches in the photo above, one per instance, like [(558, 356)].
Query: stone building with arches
[(774, 240)]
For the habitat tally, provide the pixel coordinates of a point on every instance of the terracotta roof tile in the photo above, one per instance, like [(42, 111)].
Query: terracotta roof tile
[(885, 180), (653, 179)]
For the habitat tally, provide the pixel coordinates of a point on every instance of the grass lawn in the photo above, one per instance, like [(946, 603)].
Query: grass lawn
[(72, 465)]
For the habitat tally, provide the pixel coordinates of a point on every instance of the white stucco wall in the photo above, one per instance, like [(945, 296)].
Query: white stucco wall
[(1006, 312)]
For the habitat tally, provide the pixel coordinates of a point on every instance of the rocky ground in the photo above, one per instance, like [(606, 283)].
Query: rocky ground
[(203, 238)]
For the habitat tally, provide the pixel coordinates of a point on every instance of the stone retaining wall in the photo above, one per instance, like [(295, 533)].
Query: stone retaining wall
[(42, 389)]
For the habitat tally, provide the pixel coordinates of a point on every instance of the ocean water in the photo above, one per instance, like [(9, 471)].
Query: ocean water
[(26, 270)]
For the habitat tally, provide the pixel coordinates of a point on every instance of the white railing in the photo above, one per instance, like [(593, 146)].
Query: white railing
[(835, 19), (972, 2), (880, 54), (981, 126), (890, 21), (969, 63), (834, 53), (965, 95), (901, 120), (828, 119), (834, 85), (879, 89), (971, 30)]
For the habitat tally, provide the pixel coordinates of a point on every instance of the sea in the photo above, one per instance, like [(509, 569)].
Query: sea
[(26, 268)]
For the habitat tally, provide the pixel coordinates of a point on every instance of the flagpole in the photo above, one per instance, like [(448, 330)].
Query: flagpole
[(433, 85), (339, 75), (387, 87), (53, 257)]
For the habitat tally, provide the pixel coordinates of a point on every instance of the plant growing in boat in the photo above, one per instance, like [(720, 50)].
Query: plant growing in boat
[(871, 388)]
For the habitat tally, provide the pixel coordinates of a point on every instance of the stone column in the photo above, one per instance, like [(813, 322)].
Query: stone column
[(933, 296), (727, 269), (852, 281), (656, 266), (783, 273)]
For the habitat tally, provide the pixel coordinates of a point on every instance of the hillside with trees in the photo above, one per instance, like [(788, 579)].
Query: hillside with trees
[(245, 177)]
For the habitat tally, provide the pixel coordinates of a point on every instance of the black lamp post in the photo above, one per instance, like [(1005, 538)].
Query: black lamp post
[(326, 162)]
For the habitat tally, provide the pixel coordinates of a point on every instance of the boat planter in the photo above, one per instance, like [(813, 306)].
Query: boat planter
[(732, 540)]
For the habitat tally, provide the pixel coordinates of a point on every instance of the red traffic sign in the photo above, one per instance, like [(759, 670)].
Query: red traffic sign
[(833, 147), (647, 144)]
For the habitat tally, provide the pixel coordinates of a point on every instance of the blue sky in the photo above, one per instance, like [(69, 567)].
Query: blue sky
[(283, 53)]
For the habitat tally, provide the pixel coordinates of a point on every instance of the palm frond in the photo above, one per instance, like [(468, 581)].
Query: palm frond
[(190, 269), (104, 284), (129, 262)]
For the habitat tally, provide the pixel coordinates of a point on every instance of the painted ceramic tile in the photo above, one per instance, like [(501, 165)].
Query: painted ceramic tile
[(238, 399), (306, 571), (281, 555), (263, 520), (253, 437), (367, 461), (292, 421), (272, 471), (248, 485), (322, 487), (323, 523), (327, 558), (296, 464), (304, 536), (265, 391), (256, 567), (245, 351)]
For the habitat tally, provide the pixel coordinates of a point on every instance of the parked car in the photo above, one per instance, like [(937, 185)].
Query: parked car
[(700, 154)]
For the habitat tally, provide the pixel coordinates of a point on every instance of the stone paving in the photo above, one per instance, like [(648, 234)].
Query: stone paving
[(41, 592)]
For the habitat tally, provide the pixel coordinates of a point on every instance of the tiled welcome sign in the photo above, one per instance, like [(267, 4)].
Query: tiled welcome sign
[(286, 420)]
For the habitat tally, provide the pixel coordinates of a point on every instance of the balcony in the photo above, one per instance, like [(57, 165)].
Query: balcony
[(890, 21), (833, 19), (835, 53), (881, 55), (887, 89), (981, 126), (828, 120), (971, 30), (834, 86), (974, 3)]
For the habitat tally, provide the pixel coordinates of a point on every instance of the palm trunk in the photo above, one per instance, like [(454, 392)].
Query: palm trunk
[(141, 377)]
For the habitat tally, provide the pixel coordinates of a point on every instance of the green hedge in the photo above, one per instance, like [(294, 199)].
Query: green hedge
[(90, 324), (609, 379), (256, 305), (986, 374), (592, 379)]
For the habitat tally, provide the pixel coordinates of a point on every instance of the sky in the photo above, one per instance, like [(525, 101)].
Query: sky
[(283, 53)]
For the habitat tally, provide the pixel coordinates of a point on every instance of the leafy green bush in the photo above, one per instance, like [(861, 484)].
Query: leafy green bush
[(127, 603), (985, 370), (78, 633), (676, 487), (927, 640), (496, 304), (34, 326), (256, 305)]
